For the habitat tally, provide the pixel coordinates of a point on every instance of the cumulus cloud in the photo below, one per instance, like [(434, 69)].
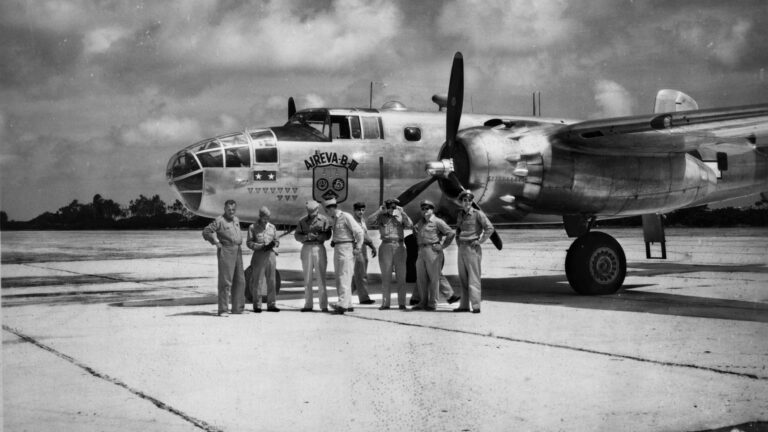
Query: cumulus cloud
[(612, 99), (165, 129), (506, 26), (101, 39), (724, 40)]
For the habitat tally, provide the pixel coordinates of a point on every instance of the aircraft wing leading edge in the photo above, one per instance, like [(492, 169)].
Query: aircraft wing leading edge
[(667, 133)]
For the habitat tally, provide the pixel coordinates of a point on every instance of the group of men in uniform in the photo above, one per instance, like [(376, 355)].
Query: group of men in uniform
[(348, 235)]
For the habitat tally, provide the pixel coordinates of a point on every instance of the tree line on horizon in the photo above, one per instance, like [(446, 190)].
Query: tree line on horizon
[(153, 213), (141, 213)]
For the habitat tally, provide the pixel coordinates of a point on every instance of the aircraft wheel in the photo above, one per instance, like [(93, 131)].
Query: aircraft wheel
[(248, 295), (595, 264)]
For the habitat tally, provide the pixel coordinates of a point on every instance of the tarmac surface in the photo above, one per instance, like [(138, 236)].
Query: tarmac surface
[(118, 331)]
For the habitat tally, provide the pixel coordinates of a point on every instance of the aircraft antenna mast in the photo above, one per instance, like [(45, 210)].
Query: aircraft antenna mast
[(370, 98)]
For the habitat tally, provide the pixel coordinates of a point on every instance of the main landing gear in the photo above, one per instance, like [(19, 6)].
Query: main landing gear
[(595, 264)]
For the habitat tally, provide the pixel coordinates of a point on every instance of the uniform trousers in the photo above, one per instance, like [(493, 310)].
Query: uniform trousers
[(231, 278), (469, 260), (314, 261), (392, 256), (344, 265), (263, 263), (445, 289), (428, 267), (360, 276)]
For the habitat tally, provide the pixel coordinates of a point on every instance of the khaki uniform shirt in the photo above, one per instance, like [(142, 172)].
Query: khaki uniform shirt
[(391, 228), (260, 236), (226, 232), (473, 225), (316, 229), (346, 229), (432, 231)]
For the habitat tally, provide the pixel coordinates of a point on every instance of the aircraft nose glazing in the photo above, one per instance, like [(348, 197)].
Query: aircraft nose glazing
[(185, 175)]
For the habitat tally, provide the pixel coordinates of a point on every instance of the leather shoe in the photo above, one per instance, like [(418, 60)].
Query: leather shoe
[(257, 310), (430, 309), (369, 301), (324, 310), (402, 307), (475, 310), (453, 299), (383, 307), (338, 311), (461, 310), (350, 309), (306, 309), (272, 309), (413, 301), (223, 314)]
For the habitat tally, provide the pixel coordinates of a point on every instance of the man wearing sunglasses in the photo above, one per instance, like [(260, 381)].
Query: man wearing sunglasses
[(433, 235), (392, 222), (473, 229)]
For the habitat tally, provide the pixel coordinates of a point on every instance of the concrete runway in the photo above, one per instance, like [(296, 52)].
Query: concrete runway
[(113, 331)]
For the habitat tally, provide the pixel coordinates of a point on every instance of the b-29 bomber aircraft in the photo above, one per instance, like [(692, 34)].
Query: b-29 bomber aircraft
[(520, 169)]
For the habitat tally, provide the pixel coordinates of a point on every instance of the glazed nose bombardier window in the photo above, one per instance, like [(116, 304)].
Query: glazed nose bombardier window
[(209, 154)]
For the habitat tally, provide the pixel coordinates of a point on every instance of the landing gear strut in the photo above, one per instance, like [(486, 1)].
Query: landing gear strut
[(595, 264)]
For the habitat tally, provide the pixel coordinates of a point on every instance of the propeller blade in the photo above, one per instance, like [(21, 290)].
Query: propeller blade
[(455, 102), (414, 191), (291, 108)]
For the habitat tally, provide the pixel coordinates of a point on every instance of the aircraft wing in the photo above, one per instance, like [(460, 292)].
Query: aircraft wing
[(662, 134)]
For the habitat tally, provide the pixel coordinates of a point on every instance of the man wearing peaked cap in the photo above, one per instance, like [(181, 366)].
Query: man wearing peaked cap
[(347, 244), (263, 241), (427, 202), (473, 228), (391, 221), (432, 235), (312, 231)]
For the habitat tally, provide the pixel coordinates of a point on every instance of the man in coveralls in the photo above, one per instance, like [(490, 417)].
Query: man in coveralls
[(262, 240), (360, 274), (473, 229), (347, 243), (224, 233), (392, 222), (433, 235), (312, 231)]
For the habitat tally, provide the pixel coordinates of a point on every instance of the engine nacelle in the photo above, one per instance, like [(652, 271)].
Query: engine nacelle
[(516, 172)]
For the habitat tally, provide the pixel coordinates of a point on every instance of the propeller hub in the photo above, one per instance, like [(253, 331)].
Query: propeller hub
[(441, 168)]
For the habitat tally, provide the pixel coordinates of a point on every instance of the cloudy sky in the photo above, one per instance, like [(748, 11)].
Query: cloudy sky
[(95, 95)]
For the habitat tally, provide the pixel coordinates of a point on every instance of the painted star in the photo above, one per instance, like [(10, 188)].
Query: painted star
[(271, 176), (258, 176)]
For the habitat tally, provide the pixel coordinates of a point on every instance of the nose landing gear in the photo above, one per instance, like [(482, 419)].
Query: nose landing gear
[(595, 264)]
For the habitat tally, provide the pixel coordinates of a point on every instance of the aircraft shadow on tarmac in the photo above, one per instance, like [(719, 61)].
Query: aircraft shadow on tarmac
[(554, 290)]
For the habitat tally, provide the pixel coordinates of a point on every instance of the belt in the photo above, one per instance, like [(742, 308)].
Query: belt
[(392, 241), (428, 244), (343, 241), (465, 241), (313, 242)]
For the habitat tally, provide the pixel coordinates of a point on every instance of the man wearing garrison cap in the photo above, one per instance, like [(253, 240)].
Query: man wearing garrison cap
[(263, 241), (312, 231)]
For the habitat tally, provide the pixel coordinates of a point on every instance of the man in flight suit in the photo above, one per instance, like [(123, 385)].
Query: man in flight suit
[(313, 230), (392, 222), (347, 243), (224, 233), (262, 240), (433, 235), (360, 274), (473, 229)]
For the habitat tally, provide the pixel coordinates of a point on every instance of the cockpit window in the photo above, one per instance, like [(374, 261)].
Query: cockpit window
[(236, 150), (264, 147), (209, 154), (317, 121), (371, 129), (345, 127)]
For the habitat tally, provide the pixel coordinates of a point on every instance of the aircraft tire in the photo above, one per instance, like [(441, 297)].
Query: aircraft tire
[(248, 295), (595, 264)]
